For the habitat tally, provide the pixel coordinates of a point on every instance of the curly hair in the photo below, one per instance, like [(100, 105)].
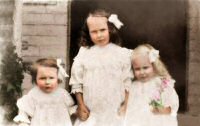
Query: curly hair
[(85, 39), (158, 65)]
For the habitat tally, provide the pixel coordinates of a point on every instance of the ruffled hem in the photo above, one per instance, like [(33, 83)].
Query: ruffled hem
[(78, 90), (20, 118), (127, 89)]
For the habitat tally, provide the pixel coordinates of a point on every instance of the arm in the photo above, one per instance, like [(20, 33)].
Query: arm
[(82, 111), (124, 104), (126, 97), (169, 99), (76, 81), (26, 109)]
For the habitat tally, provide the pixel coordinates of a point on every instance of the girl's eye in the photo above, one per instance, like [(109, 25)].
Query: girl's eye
[(93, 32), (42, 78), (102, 30), (146, 67), (136, 69), (51, 77)]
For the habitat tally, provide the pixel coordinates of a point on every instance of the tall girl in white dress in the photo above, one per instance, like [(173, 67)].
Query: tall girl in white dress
[(101, 72), (153, 100)]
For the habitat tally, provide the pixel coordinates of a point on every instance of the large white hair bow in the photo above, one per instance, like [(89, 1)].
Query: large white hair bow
[(153, 55), (61, 72), (114, 19)]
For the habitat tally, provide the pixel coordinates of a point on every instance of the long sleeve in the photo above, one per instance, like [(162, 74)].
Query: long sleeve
[(76, 80), (70, 103)]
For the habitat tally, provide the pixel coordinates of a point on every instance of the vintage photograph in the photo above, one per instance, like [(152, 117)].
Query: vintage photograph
[(99, 63)]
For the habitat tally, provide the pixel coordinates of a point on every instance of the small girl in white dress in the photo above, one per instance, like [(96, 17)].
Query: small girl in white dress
[(101, 72), (46, 104), (153, 100)]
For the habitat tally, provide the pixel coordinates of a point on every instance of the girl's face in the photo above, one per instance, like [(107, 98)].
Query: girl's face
[(142, 67), (98, 30), (47, 79)]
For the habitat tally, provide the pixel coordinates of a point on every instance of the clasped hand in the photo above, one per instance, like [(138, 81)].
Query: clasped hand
[(83, 112)]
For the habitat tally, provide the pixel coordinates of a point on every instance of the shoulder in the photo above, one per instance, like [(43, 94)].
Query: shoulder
[(62, 91), (29, 97), (82, 49), (122, 51), (34, 91), (81, 52), (165, 81), (135, 83)]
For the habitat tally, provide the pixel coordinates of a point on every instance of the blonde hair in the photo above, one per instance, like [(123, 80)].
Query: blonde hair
[(158, 65)]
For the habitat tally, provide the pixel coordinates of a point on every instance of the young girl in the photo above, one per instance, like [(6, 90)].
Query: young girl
[(101, 72), (46, 104), (153, 100)]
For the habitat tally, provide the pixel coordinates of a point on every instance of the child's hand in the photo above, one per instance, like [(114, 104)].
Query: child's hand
[(83, 112), (162, 110), (122, 109)]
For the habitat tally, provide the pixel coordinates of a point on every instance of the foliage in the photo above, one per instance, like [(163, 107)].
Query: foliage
[(11, 70)]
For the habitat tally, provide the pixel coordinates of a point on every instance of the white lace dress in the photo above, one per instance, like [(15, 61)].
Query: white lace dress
[(45, 109), (138, 109), (102, 74)]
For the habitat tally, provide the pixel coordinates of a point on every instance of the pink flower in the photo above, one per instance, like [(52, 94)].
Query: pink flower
[(156, 98), (156, 95), (165, 83)]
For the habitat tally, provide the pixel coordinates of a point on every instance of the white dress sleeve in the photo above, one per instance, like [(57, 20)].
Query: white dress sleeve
[(127, 75), (26, 104), (170, 98), (70, 103), (22, 118), (26, 109), (76, 80)]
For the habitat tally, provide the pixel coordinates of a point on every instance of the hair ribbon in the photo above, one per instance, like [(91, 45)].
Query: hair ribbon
[(153, 55), (113, 18), (61, 70)]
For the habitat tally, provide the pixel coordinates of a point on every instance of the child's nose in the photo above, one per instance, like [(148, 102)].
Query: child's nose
[(48, 81), (99, 34), (142, 71)]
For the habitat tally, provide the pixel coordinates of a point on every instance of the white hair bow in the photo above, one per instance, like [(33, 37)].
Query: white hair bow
[(61, 71), (114, 19), (153, 55)]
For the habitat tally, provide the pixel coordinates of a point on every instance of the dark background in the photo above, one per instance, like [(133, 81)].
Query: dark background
[(161, 23)]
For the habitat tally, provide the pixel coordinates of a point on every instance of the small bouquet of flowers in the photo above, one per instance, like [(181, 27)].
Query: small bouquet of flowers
[(156, 98)]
